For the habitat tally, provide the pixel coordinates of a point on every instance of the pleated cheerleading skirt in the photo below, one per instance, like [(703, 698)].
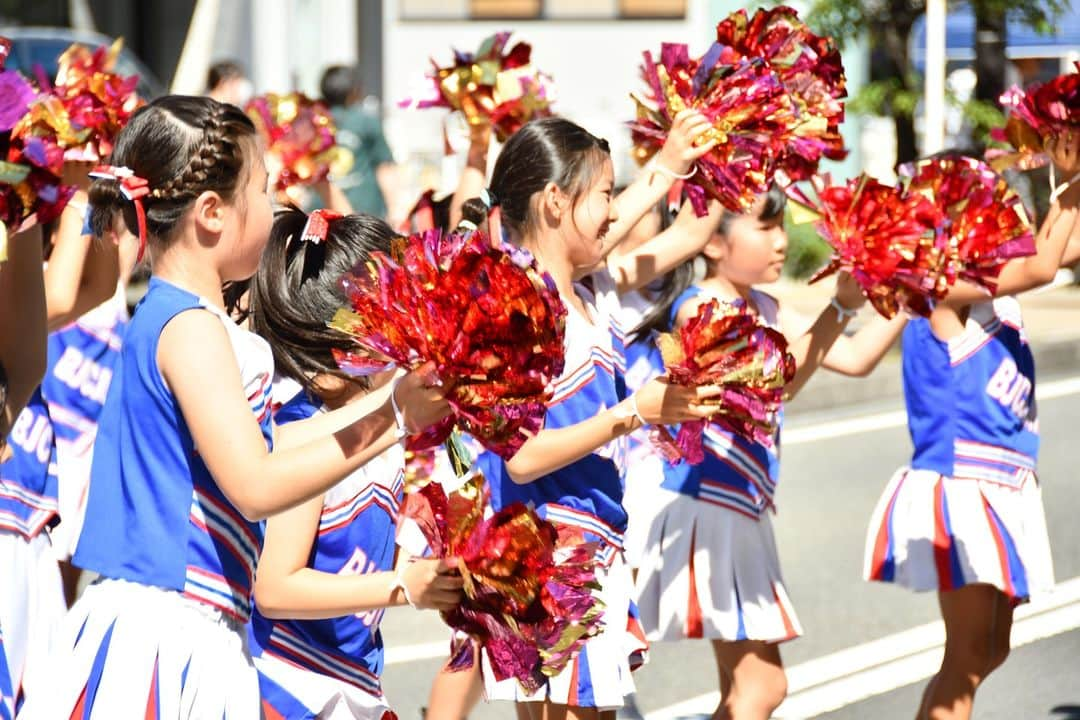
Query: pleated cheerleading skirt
[(931, 532), (132, 651), (7, 692), (600, 675), (32, 605), (710, 572), (642, 499), (294, 693)]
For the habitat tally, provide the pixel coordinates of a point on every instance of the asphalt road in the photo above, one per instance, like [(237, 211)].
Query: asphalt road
[(827, 491)]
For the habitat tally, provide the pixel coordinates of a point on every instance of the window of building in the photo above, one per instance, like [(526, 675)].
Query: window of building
[(541, 9)]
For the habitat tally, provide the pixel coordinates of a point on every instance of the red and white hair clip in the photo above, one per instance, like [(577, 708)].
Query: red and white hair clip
[(132, 187), (318, 225)]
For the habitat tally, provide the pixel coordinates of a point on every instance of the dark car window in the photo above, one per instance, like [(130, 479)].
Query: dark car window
[(26, 53)]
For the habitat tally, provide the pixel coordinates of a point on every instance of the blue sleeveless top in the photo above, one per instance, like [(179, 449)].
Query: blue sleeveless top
[(155, 515), (28, 486), (736, 474), (971, 399), (82, 360), (587, 493), (355, 536)]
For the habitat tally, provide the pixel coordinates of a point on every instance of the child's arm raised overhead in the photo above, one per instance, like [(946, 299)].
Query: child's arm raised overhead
[(197, 362), (82, 272), (1054, 235), (680, 151), (656, 403), (23, 349), (474, 176), (685, 238)]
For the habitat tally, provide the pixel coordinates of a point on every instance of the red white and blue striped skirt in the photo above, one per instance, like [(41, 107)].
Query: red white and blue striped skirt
[(931, 532), (128, 650), (711, 572)]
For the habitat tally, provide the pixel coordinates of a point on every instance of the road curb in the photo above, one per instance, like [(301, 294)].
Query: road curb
[(828, 391)]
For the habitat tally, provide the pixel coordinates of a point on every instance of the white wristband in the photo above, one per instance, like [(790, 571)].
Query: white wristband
[(399, 582), (842, 313), (634, 412), (664, 170), (399, 417), (1056, 190)]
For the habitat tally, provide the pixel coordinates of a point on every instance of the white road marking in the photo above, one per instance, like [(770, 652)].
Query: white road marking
[(396, 655), (898, 418), (838, 679)]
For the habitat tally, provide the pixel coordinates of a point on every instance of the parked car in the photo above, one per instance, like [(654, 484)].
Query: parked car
[(43, 46)]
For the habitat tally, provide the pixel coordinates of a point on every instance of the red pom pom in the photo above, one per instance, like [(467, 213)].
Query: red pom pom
[(301, 137), (1043, 111), (87, 107), (985, 221), (530, 593), (492, 86), (487, 319), (887, 238), (726, 345), (772, 90)]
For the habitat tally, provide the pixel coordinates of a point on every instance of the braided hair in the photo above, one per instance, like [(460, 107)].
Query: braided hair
[(183, 146)]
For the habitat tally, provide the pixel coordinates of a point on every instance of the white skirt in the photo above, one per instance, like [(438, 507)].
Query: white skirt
[(642, 499), (31, 607), (931, 532), (710, 572), (7, 695), (599, 676), (127, 650), (73, 471), (292, 692)]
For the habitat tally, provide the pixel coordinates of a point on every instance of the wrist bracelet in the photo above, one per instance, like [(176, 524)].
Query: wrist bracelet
[(634, 412), (842, 313), (400, 430), (399, 582), (664, 170), (1056, 190)]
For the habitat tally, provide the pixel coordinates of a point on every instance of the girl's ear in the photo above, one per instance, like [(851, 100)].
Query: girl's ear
[(209, 213), (553, 200), (716, 248)]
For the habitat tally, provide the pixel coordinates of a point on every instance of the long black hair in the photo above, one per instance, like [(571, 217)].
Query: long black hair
[(295, 291), (676, 282), (549, 150)]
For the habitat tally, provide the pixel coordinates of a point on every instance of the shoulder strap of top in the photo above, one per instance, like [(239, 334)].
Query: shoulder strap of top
[(768, 307), (688, 294)]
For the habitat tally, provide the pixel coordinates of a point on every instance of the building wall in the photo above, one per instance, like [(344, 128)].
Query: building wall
[(594, 64)]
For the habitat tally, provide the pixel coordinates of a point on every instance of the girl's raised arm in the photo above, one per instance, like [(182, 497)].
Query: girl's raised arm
[(23, 349), (680, 151), (82, 272)]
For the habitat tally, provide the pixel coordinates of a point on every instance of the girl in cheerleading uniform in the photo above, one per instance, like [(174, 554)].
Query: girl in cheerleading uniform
[(552, 183), (83, 354), (326, 571), (710, 567), (31, 596), (182, 472), (966, 517)]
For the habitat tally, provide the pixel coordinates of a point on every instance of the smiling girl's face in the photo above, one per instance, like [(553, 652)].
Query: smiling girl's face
[(752, 248), (591, 214)]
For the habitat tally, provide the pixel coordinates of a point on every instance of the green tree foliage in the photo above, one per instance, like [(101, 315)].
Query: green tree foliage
[(895, 87)]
